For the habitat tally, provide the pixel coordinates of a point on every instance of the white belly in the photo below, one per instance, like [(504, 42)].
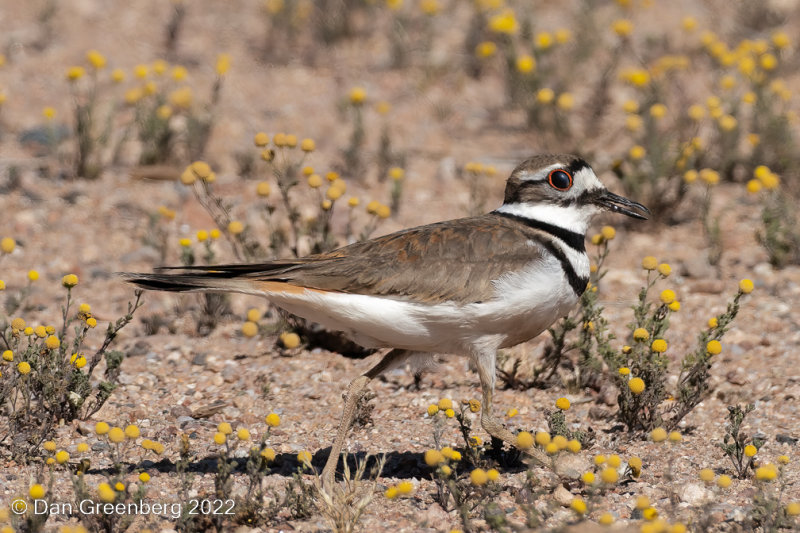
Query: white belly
[(526, 303)]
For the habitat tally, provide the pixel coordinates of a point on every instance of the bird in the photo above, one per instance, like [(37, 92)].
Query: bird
[(467, 286)]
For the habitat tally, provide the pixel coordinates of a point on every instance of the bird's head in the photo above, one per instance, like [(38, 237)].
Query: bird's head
[(562, 190)]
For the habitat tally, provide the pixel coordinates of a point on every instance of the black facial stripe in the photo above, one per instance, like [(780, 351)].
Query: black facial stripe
[(574, 240), (584, 198), (577, 165), (577, 283)]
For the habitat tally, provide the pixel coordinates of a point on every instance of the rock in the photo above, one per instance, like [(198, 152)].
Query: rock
[(571, 466), (695, 494), (563, 496)]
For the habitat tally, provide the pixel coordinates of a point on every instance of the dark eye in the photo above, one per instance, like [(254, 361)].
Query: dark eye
[(560, 179)]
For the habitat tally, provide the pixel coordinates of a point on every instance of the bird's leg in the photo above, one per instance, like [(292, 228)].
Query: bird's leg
[(493, 426), (355, 391)]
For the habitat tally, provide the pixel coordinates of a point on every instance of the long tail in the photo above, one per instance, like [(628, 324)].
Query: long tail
[(222, 278)]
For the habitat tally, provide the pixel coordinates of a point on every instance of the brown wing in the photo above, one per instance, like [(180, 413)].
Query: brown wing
[(448, 261)]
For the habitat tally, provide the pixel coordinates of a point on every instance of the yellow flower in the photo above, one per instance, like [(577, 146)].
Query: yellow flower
[(562, 403), (636, 152), (223, 64), (658, 435), (485, 49), (551, 448), (675, 436), (235, 227), (688, 23), (724, 481), (358, 95), (261, 139), (334, 193), (91, 322), (565, 101), (504, 22), (49, 446), (83, 447), (525, 440), (225, 428), (746, 286), (563, 35), (578, 505), (609, 475), (116, 435), (391, 493), (220, 438), (768, 62), (664, 269), (545, 95), (249, 329), (449, 413), (433, 457), (474, 406), (649, 514), (273, 420), (605, 519), (766, 473), (160, 67), (793, 509), (667, 296), (635, 464), (478, 477), (290, 340), (96, 59), (640, 334), (24, 367), (608, 232), (185, 242), (636, 385), (433, 409), (588, 478), (181, 98), (62, 457), (36, 492), (526, 64), (542, 438), (613, 460), (696, 112), (649, 263), (659, 346), (630, 106), (164, 112), (144, 477), (783, 459), (49, 113), (268, 454), (8, 355), (622, 27), (33, 275), (307, 145), (7, 245), (658, 111), (750, 450), (543, 40), (624, 371), (101, 428), (132, 431), (511, 413), (106, 493), (574, 446), (243, 434), (728, 122), (75, 73), (291, 140), (675, 306), (780, 40), (714, 347)]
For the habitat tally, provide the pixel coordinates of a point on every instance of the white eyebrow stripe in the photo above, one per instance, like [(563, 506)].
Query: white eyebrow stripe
[(542, 174)]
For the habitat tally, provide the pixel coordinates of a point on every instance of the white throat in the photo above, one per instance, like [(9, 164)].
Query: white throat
[(567, 217)]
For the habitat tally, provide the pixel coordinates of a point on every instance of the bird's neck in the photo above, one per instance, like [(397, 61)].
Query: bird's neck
[(564, 218)]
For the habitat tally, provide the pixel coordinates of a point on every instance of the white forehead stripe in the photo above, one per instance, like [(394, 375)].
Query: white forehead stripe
[(588, 178), (541, 175)]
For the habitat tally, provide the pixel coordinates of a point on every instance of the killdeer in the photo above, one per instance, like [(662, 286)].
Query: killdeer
[(468, 286)]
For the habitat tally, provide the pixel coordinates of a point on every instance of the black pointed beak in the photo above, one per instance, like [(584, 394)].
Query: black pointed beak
[(620, 204)]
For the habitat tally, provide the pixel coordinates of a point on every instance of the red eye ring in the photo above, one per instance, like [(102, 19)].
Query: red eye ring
[(560, 179)]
